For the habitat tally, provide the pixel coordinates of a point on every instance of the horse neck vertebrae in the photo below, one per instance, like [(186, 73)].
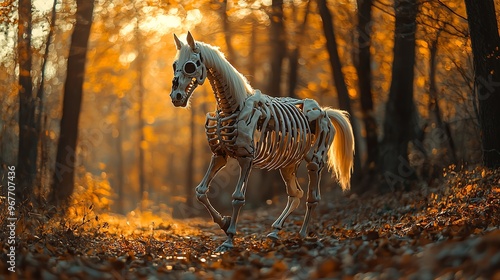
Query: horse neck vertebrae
[(230, 87), (271, 133), (226, 102)]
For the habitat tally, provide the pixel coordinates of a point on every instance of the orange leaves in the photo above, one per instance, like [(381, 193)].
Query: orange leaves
[(327, 268), (449, 230)]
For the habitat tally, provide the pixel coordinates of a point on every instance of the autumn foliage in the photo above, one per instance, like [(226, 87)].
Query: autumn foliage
[(132, 212), (450, 230)]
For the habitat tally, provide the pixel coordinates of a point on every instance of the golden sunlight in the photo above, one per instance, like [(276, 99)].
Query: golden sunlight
[(161, 23), (42, 5), (164, 23)]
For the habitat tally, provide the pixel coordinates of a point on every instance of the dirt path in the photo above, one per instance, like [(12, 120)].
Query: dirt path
[(451, 232)]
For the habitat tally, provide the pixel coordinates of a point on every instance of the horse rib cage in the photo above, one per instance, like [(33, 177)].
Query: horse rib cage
[(282, 136)]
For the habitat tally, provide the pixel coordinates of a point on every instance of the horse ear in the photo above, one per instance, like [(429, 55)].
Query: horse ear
[(178, 42), (191, 41)]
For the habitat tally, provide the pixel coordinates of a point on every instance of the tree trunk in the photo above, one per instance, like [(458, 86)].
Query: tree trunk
[(63, 179), (252, 53), (26, 166), (337, 74), (278, 48), (140, 112), (434, 108), (331, 46), (294, 55), (485, 41), (121, 164), (277, 53), (363, 68), (400, 109), (190, 168), (40, 97), (227, 33)]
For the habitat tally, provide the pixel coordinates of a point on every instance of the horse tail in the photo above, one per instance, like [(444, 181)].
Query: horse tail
[(341, 151)]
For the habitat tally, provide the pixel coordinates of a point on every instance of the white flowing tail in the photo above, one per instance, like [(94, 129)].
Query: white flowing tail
[(341, 152)]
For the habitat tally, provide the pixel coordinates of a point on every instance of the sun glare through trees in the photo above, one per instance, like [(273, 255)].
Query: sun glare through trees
[(98, 167)]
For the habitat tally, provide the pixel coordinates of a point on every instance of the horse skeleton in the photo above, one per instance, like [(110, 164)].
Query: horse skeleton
[(261, 131)]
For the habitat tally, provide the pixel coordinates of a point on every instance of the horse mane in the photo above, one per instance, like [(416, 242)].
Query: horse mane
[(214, 58)]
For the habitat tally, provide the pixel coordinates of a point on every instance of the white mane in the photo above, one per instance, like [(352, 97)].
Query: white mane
[(214, 58)]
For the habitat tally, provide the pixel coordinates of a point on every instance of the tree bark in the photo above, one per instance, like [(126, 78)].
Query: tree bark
[(483, 29), (140, 112), (227, 33), (434, 108), (273, 87), (190, 168), (26, 162), (331, 46), (337, 74), (400, 108), (294, 55), (121, 165), (278, 48), (40, 97), (63, 179), (253, 53), (363, 68)]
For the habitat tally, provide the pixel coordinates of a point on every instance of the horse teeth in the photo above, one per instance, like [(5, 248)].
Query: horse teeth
[(268, 133)]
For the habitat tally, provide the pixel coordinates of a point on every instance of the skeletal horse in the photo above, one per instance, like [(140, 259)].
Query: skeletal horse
[(261, 131)]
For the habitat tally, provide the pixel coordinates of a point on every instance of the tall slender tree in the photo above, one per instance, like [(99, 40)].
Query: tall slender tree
[(63, 179), (400, 108), (294, 53), (190, 163), (363, 67), (278, 47), (336, 65), (140, 100), (333, 54), (27, 104), (40, 97), (227, 33), (277, 42), (483, 28), (119, 151), (253, 51), (434, 108)]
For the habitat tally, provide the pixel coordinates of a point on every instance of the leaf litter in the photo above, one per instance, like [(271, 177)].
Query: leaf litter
[(450, 231)]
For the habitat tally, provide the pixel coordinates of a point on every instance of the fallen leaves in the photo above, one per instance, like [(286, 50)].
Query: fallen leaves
[(449, 231)]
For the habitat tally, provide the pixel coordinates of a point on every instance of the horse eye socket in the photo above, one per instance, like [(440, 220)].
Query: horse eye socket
[(189, 67)]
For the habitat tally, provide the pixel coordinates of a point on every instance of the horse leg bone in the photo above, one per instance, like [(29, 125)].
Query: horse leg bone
[(294, 192), (216, 164), (244, 141), (238, 201), (314, 168), (313, 193)]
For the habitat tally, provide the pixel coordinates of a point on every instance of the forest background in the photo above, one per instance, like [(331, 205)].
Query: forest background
[(85, 105), (98, 168)]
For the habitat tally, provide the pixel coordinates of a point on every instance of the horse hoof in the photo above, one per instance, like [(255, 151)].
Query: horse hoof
[(224, 247), (273, 236)]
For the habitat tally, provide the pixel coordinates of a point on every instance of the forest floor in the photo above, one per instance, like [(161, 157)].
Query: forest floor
[(451, 231)]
